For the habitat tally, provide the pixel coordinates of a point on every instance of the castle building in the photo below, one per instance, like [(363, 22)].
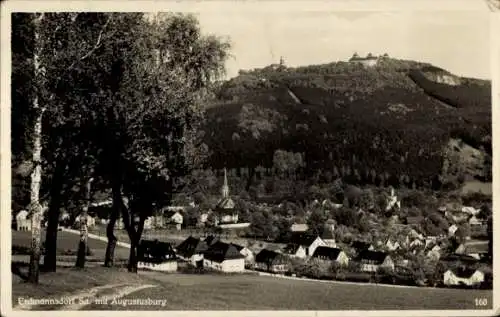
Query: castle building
[(368, 61)]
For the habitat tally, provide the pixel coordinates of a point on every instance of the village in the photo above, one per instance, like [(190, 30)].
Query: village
[(215, 244)]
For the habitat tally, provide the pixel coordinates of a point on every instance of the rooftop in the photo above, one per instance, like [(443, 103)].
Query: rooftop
[(220, 251), (330, 253)]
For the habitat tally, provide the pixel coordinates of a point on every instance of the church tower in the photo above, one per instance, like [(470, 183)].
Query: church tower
[(225, 187)]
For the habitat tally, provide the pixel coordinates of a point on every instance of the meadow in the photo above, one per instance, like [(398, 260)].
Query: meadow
[(250, 292)]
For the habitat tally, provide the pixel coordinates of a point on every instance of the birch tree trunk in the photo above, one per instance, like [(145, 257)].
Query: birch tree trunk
[(36, 175), (84, 233)]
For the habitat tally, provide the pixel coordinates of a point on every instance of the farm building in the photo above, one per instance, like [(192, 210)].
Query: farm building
[(224, 257), (156, 256), (371, 261), (299, 227), (463, 276), (23, 222), (247, 253), (271, 261), (174, 216), (331, 254), (360, 246), (303, 245), (192, 250)]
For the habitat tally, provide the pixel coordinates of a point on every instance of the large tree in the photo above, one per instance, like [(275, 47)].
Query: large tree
[(148, 132)]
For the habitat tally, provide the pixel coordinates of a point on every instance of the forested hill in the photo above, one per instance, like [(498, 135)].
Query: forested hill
[(400, 120)]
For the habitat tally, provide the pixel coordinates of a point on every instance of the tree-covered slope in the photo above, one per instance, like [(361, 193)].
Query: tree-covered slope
[(391, 121)]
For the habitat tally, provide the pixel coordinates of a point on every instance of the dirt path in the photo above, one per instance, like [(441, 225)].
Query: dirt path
[(87, 297)]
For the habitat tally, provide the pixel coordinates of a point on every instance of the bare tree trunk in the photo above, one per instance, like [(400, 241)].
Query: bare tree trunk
[(117, 207), (135, 237), (36, 175), (110, 248), (134, 232), (84, 233)]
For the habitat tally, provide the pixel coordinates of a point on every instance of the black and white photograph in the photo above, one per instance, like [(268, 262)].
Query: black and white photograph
[(316, 157)]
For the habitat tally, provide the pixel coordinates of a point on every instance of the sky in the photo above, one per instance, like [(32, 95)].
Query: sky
[(457, 41)]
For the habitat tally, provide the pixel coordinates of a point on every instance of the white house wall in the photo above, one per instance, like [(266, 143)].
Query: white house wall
[(232, 265), (450, 278)]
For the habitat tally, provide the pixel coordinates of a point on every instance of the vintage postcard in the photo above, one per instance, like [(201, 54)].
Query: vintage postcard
[(249, 157)]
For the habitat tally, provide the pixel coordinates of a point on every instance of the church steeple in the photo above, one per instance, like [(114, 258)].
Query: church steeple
[(225, 187)]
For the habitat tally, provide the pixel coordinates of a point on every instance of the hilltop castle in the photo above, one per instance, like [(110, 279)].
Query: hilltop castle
[(368, 61)]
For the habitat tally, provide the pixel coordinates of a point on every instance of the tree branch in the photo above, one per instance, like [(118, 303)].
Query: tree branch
[(96, 46), (98, 43)]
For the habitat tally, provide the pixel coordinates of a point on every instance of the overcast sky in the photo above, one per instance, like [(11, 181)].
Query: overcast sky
[(456, 41)]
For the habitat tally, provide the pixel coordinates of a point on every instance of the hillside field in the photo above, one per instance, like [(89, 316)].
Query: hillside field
[(249, 292)]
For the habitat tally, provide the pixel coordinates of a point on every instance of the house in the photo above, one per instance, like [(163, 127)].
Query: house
[(451, 230), (90, 220), (158, 222), (413, 234), (303, 245), (272, 261), (299, 227), (473, 221), (174, 216), (416, 243), (148, 223), (430, 241), (473, 248), (392, 246), (247, 253), (434, 253), (120, 225), (203, 218), (470, 210), (225, 210), (456, 217), (23, 222), (64, 218), (192, 250), (223, 257), (463, 276), (156, 256), (359, 246), (329, 204), (331, 254), (371, 261)]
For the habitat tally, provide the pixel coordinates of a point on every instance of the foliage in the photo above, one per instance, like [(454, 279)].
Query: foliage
[(369, 126)]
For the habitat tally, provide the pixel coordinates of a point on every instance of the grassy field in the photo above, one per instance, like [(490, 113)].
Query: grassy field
[(69, 241), (176, 237), (248, 292)]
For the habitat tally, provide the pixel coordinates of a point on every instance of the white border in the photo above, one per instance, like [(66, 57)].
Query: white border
[(229, 6)]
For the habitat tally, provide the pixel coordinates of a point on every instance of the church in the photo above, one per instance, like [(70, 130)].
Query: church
[(225, 212)]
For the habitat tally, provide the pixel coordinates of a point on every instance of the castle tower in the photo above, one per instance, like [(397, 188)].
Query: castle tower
[(225, 187)]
